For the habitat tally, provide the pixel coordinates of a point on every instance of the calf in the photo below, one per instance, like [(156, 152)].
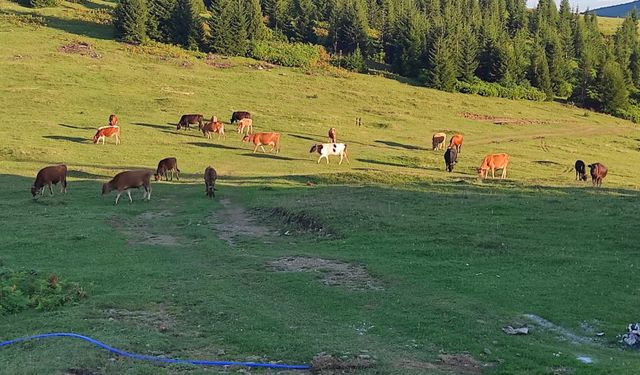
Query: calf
[(261, 139), (326, 149), (581, 173), (598, 171), (187, 120), (113, 120), (105, 132), (456, 141), (245, 123), (438, 140), (129, 180), (166, 165), (213, 126), (332, 135), (48, 176), (493, 162), (239, 115), (210, 177), (450, 158)]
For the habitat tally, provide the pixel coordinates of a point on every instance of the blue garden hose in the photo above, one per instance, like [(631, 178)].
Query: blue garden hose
[(152, 358)]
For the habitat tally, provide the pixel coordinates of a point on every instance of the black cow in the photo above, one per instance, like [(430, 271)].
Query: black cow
[(239, 115), (581, 172), (450, 158), (187, 120), (598, 171)]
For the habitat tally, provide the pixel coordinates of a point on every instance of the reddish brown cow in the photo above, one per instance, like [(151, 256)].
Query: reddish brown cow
[(105, 132), (333, 138), (598, 171), (456, 141), (113, 120), (213, 126), (261, 139), (167, 165), (48, 176), (210, 176), (493, 162), (129, 180)]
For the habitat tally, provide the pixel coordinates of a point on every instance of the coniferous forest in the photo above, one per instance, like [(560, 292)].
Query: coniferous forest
[(486, 47)]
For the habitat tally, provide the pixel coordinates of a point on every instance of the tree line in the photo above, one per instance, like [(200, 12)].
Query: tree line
[(452, 45)]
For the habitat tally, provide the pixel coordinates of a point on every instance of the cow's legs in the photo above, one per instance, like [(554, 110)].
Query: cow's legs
[(263, 150), (341, 156), (255, 149), (118, 197), (149, 193), (493, 173), (129, 194), (320, 158), (504, 173), (50, 189), (177, 174)]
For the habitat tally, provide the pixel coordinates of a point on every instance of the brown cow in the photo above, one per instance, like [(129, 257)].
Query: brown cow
[(48, 176), (245, 123), (187, 120), (213, 126), (210, 177), (239, 115), (493, 162), (261, 139), (438, 140), (456, 141), (129, 180), (166, 165), (598, 171), (105, 132), (113, 120), (333, 138)]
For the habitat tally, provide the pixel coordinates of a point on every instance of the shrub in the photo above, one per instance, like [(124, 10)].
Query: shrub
[(353, 62), (288, 54), (494, 89), (40, 3)]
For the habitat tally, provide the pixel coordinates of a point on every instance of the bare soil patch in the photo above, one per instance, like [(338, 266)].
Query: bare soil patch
[(455, 363), (300, 221), (81, 48), (233, 220), (159, 319), (217, 61), (333, 273), (79, 371), (328, 364), (505, 120), (138, 231)]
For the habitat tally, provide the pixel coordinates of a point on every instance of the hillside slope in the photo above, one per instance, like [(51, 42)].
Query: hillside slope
[(620, 10)]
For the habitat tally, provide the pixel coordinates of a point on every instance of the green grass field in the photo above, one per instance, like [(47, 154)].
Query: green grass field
[(402, 266)]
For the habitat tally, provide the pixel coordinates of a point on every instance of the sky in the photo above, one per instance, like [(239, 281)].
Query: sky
[(584, 4)]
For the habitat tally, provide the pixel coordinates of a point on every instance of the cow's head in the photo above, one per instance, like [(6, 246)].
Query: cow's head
[(316, 148), (34, 191), (246, 138), (106, 188), (157, 176)]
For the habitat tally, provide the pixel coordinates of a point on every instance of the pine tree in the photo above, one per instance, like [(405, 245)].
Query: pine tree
[(442, 74), (539, 71), (220, 27), (130, 19), (468, 62), (256, 29), (302, 17), (187, 25), (350, 27), (159, 22), (611, 88), (238, 23)]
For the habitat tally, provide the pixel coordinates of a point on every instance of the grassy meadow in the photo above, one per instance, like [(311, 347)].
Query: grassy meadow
[(389, 263)]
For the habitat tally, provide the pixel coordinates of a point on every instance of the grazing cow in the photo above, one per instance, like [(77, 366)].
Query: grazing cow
[(210, 177), (113, 120), (187, 120), (48, 176), (598, 171), (493, 162), (450, 158), (456, 141), (438, 140), (166, 165), (326, 149), (261, 139), (239, 115), (129, 180), (213, 126), (581, 173), (333, 136), (105, 132), (245, 123)]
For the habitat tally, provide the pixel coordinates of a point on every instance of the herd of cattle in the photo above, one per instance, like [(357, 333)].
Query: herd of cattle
[(127, 180)]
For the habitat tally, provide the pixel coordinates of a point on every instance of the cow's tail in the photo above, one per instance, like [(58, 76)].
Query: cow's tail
[(278, 143)]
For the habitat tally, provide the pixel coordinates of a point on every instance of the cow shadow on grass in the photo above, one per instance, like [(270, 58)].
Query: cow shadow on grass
[(86, 175), (76, 127), (270, 156), (400, 145), (80, 27), (213, 145), (65, 138), (154, 126), (304, 137), (391, 164)]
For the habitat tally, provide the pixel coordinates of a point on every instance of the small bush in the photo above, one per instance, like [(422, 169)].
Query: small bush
[(40, 3), (353, 62), (288, 54), (493, 89), (631, 113)]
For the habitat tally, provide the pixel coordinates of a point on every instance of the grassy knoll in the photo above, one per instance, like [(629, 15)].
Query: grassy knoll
[(447, 260), (609, 25)]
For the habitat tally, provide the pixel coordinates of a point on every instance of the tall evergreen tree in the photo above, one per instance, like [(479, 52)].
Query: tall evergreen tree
[(350, 27), (238, 23), (442, 73), (187, 25), (130, 21), (159, 22), (256, 29), (220, 27), (611, 87), (468, 62), (539, 71)]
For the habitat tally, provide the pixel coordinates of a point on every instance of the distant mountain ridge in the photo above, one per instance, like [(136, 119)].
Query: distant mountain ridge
[(620, 10)]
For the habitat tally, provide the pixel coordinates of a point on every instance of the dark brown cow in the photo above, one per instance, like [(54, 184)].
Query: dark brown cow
[(239, 115), (333, 138), (598, 172), (187, 120), (129, 180), (581, 173), (210, 177), (48, 176), (167, 165)]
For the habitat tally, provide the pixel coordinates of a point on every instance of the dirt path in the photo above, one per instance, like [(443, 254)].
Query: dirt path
[(233, 220)]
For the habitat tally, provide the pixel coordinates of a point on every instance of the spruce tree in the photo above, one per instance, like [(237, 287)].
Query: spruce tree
[(611, 87), (159, 22), (220, 27), (442, 73), (238, 24), (256, 29), (539, 71), (468, 62), (130, 19), (187, 25)]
